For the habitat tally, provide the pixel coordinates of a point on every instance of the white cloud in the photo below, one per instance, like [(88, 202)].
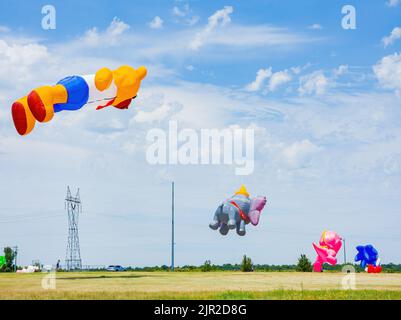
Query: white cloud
[(156, 23), (91, 37), (313, 83), (394, 35), (342, 69), (299, 69), (116, 27), (219, 19), (110, 36), (315, 26), (388, 71), (243, 42), (185, 15), (18, 60), (190, 67), (296, 70), (393, 3), (180, 13), (257, 36), (156, 115), (25, 54), (298, 152), (261, 76), (277, 79), (154, 45)]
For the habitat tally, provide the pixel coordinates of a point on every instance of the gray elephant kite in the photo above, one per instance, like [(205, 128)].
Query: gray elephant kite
[(238, 211)]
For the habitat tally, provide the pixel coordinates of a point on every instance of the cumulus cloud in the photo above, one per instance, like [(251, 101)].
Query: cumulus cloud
[(116, 27), (388, 71), (25, 54), (273, 79), (298, 152), (261, 76), (159, 114), (219, 19), (313, 83), (156, 23), (17, 59), (110, 36), (342, 69), (394, 35), (278, 78)]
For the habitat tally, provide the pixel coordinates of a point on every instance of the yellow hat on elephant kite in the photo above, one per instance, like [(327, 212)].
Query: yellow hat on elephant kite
[(242, 190)]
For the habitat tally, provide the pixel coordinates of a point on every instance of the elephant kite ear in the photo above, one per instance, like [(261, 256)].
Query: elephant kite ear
[(258, 203), (254, 217)]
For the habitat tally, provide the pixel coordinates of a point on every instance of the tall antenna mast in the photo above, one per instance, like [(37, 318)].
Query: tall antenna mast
[(345, 253), (172, 226), (74, 208)]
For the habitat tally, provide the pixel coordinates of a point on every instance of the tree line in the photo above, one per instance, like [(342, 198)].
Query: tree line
[(246, 265)]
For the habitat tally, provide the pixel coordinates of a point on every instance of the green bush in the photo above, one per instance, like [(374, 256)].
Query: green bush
[(9, 265), (207, 266), (246, 265), (304, 264)]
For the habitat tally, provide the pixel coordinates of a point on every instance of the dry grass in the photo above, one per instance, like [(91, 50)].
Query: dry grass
[(198, 285)]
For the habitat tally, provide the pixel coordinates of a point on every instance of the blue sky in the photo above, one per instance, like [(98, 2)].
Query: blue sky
[(325, 109)]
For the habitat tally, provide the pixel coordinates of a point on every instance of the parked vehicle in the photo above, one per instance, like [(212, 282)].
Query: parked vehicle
[(115, 268)]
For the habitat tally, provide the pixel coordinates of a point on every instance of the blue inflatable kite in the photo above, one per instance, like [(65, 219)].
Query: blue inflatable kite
[(367, 255)]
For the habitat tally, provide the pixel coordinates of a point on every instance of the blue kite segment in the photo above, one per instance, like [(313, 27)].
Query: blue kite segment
[(366, 255), (78, 93)]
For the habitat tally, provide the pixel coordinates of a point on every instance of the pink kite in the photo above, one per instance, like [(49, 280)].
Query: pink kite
[(329, 245)]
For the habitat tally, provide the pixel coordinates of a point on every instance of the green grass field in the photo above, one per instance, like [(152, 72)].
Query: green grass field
[(199, 285)]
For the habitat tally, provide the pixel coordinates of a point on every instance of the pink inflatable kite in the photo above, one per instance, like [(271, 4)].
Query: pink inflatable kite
[(329, 245)]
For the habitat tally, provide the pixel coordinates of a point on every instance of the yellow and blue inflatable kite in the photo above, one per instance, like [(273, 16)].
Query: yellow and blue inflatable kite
[(106, 88)]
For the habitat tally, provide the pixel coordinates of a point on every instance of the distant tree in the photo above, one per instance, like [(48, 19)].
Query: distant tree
[(304, 264), (9, 255), (246, 264), (36, 263), (207, 266), (2, 263)]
